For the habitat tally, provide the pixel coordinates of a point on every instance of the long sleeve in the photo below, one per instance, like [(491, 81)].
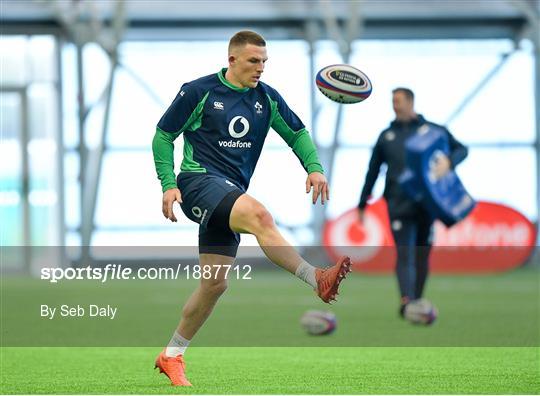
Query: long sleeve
[(163, 150), (458, 152), (181, 114), (371, 176)]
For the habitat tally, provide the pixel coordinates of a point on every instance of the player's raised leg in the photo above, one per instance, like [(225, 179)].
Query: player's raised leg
[(249, 216), (195, 312)]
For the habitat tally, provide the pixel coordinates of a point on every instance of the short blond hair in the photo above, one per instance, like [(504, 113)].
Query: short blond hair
[(245, 37)]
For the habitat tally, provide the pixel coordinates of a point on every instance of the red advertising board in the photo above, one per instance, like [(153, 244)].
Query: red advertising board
[(492, 238)]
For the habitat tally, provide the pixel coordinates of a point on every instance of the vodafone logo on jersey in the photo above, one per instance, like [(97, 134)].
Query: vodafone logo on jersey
[(244, 125), (238, 128), (492, 238)]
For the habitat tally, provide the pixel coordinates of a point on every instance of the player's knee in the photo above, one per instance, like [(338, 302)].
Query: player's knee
[(252, 217), (214, 287), (263, 219)]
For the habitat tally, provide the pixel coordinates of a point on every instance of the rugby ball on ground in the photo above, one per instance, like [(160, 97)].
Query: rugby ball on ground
[(421, 311), (318, 322), (343, 84)]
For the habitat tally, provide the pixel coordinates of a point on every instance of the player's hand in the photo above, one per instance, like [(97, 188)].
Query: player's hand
[(361, 215), (169, 197), (320, 187), (442, 166)]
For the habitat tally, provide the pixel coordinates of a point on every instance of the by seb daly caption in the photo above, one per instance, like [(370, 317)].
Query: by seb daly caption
[(78, 311)]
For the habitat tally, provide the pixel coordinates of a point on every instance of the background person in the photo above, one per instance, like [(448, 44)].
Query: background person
[(411, 224)]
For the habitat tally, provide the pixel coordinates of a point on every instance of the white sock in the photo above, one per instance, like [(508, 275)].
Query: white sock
[(177, 345), (306, 272)]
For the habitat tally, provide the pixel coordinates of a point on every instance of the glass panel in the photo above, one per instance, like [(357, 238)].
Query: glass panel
[(13, 60), (96, 68), (42, 58), (72, 191), (69, 96), (129, 193), (279, 182), (11, 227), (10, 122), (135, 116), (30, 64), (173, 63), (443, 73), (502, 175), (504, 110), (174, 237), (43, 111), (44, 191), (43, 159), (348, 176)]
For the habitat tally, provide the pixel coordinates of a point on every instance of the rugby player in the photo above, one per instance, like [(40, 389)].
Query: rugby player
[(224, 119)]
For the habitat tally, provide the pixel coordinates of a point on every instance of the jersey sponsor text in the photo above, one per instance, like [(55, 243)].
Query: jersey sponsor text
[(234, 144)]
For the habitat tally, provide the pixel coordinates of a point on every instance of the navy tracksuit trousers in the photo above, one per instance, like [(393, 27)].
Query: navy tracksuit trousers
[(413, 238)]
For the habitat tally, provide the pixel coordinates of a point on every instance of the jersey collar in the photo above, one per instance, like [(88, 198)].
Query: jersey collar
[(221, 76), (419, 120)]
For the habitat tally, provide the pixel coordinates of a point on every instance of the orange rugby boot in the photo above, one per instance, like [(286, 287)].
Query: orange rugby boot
[(328, 279), (172, 367)]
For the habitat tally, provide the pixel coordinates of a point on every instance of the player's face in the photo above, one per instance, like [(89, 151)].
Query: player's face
[(247, 64), (403, 106)]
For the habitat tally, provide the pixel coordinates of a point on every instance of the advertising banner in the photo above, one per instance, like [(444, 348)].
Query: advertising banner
[(492, 238)]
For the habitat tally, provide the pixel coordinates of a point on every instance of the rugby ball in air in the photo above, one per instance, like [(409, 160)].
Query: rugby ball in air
[(343, 84), (318, 322), (421, 312)]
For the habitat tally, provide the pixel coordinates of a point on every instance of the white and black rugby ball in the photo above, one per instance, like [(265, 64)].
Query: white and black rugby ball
[(318, 322), (343, 84), (421, 311)]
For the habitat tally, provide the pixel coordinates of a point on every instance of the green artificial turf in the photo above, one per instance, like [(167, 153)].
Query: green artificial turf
[(485, 340), (275, 371)]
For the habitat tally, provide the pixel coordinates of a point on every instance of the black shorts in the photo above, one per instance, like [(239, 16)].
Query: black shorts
[(208, 200)]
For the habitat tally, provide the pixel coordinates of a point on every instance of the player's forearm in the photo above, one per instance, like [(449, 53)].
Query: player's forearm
[(458, 152), (366, 192), (305, 150), (371, 177), (457, 155), (163, 150)]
